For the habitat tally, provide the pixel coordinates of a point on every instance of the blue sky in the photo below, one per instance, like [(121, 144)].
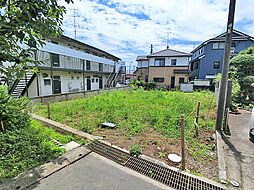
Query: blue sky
[(127, 28)]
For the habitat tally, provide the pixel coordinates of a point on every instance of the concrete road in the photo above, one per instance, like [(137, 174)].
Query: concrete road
[(239, 151), (96, 172)]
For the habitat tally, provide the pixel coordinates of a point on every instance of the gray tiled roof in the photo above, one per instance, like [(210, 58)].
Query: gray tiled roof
[(141, 57), (169, 53)]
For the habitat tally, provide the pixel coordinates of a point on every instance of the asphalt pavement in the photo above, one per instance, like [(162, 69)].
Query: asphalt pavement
[(95, 172), (239, 151)]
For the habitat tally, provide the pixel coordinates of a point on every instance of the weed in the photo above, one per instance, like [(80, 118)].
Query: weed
[(135, 150)]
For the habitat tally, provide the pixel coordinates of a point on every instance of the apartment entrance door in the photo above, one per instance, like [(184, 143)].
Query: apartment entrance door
[(172, 82), (56, 85), (88, 83), (100, 83)]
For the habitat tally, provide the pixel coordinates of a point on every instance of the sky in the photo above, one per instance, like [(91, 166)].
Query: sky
[(127, 28)]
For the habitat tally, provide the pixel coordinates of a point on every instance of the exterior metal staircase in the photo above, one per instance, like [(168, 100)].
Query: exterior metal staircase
[(113, 78), (20, 86)]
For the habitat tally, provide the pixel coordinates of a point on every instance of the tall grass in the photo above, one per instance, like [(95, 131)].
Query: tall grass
[(135, 111)]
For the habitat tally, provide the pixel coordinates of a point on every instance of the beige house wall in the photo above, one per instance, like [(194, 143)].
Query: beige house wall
[(167, 73), (138, 73)]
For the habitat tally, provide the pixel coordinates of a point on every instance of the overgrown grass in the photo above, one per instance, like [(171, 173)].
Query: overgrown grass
[(135, 110), (22, 149)]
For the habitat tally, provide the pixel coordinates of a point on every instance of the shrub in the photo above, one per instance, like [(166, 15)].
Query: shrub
[(13, 113)]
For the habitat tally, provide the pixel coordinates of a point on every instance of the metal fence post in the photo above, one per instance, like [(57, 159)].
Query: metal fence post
[(182, 142)]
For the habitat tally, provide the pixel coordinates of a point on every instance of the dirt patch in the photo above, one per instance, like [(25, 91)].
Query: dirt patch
[(157, 146)]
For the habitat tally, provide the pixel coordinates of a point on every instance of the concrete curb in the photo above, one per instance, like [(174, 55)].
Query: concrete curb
[(221, 158), (38, 173), (64, 128)]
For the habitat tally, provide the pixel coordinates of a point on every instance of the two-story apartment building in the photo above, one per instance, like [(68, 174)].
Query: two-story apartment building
[(207, 59), (70, 65), (167, 67)]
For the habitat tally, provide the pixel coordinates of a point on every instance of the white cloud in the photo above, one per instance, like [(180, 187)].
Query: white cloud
[(121, 31)]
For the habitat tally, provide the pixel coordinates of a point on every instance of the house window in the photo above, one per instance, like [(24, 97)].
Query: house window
[(218, 45), (92, 80), (88, 65), (159, 62), (216, 65), (181, 80), (233, 44), (158, 79), (100, 67), (47, 82), (54, 59), (173, 61), (196, 65), (96, 80)]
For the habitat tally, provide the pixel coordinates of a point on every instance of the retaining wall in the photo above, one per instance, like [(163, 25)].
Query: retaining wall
[(75, 95)]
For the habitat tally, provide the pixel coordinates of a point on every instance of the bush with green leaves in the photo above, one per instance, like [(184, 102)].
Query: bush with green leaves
[(23, 143), (13, 113), (242, 69)]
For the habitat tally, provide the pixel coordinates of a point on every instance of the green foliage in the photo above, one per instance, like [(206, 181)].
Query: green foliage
[(135, 111), (135, 150), (242, 68), (13, 113), (151, 85), (23, 144), (26, 22), (25, 148)]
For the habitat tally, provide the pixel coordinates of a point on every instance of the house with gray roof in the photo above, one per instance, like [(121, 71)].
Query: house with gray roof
[(207, 59), (167, 67)]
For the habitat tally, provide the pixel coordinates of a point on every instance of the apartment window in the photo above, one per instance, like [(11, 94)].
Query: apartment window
[(173, 61), (216, 65), (88, 65), (100, 67), (158, 79), (54, 59), (218, 45), (159, 62), (181, 80), (47, 82)]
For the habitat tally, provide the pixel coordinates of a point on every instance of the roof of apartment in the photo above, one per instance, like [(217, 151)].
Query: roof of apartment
[(222, 37), (89, 48), (169, 53), (141, 58)]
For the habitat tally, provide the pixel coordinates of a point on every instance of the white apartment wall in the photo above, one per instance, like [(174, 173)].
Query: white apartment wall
[(70, 81), (181, 61), (32, 90)]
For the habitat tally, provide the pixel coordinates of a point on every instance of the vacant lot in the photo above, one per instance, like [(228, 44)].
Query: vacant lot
[(150, 119)]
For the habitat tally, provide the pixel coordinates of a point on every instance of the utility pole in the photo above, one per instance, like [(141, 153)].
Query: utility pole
[(225, 67)]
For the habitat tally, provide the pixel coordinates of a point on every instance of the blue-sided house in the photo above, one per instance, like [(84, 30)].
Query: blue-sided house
[(207, 59)]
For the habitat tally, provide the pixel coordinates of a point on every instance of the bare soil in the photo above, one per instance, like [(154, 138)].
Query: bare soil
[(157, 146)]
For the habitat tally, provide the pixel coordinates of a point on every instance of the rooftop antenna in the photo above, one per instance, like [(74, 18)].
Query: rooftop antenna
[(167, 39), (75, 15)]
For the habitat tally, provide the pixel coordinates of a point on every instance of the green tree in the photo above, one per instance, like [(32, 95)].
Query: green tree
[(23, 25), (243, 71)]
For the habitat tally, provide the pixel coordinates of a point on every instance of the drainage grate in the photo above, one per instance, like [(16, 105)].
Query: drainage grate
[(162, 174)]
